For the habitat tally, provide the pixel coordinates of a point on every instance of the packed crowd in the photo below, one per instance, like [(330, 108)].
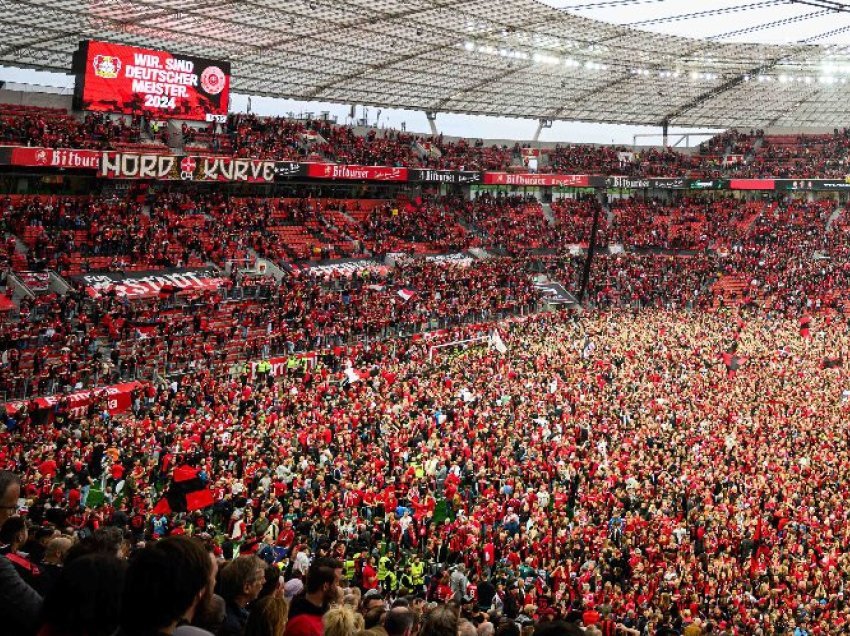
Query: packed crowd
[(56, 128), (605, 472), (731, 153), (76, 340), (782, 251), (617, 468)]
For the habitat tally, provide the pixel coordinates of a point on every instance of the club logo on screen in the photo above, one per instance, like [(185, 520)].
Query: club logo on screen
[(107, 66), (212, 80)]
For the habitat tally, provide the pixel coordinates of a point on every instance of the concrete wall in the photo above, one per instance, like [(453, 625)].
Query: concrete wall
[(32, 98)]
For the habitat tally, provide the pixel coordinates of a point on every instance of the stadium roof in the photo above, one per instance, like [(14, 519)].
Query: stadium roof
[(517, 58)]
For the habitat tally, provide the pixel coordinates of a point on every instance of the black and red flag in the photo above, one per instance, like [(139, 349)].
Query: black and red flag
[(733, 362), (761, 551), (832, 362), (806, 326), (186, 492)]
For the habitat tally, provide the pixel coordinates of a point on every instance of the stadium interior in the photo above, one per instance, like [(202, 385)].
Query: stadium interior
[(401, 383)]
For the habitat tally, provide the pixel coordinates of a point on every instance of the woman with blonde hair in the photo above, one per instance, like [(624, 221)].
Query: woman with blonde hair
[(342, 621), (268, 617)]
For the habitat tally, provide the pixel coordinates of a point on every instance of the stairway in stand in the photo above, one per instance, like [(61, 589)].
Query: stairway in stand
[(731, 288)]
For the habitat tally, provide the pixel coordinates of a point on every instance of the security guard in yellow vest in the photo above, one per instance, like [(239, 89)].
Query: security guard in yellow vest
[(417, 573), (383, 571)]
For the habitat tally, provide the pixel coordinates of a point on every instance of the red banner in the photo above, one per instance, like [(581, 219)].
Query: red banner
[(150, 284), (119, 400), (752, 184), (55, 158), (127, 79), (357, 173), (536, 180)]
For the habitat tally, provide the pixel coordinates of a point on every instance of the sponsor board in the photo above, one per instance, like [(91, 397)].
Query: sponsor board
[(706, 184), (812, 184), (675, 183), (751, 184), (355, 173), (62, 158), (627, 183), (148, 284), (540, 180), (117, 78), (443, 176), (288, 169)]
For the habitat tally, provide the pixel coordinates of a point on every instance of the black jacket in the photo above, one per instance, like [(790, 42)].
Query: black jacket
[(20, 605)]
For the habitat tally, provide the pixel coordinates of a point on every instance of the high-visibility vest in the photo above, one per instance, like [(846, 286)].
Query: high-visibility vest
[(417, 573), (383, 570), (349, 569)]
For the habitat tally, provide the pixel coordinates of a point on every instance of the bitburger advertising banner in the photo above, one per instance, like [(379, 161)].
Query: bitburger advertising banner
[(542, 180), (63, 158), (127, 165), (355, 173), (116, 78), (443, 176), (149, 284), (627, 183)]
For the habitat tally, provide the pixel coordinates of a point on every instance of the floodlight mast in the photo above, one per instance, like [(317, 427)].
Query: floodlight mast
[(541, 124), (431, 116)]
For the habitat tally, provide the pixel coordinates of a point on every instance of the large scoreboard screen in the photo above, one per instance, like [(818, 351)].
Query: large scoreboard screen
[(126, 79)]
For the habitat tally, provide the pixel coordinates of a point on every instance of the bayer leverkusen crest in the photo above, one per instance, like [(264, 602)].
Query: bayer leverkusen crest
[(187, 168), (106, 66)]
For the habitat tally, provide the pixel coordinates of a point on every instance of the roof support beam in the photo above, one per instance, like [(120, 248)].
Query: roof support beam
[(487, 80), (729, 85), (590, 93)]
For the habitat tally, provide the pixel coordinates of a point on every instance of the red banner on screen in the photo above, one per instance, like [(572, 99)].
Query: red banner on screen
[(119, 399), (55, 158), (752, 184), (127, 79), (530, 179), (358, 173)]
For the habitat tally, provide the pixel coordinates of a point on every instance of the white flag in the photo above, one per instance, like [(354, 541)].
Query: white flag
[(406, 294), (497, 342)]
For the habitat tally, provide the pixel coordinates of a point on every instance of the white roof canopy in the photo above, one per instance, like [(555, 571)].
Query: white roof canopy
[(516, 58)]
